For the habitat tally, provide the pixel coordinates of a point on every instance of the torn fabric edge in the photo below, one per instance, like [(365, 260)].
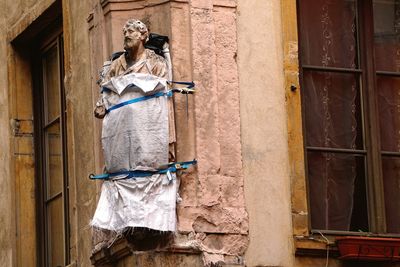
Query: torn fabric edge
[(147, 83)]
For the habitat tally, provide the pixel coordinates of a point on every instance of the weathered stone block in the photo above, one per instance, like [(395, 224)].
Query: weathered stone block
[(209, 190), (204, 4), (225, 244), (218, 189), (213, 220), (188, 189), (228, 92), (150, 259), (232, 191)]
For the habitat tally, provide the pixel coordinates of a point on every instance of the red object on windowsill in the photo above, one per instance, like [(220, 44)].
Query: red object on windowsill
[(368, 248)]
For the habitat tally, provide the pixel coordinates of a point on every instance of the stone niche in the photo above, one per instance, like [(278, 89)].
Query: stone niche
[(212, 218)]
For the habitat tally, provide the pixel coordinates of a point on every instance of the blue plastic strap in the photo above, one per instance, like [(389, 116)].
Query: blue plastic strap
[(130, 174), (172, 167), (183, 164), (189, 84), (135, 100), (100, 176)]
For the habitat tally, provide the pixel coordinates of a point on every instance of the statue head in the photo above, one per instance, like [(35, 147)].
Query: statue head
[(135, 34)]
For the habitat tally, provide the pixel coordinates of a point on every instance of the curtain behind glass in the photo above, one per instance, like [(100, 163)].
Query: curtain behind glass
[(387, 58), (332, 109)]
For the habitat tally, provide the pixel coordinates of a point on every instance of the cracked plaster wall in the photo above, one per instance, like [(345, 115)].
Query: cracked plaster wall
[(217, 210)]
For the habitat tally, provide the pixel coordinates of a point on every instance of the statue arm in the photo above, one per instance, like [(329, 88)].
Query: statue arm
[(100, 109)]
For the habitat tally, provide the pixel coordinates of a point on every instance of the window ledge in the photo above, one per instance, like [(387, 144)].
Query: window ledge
[(364, 248), (315, 246)]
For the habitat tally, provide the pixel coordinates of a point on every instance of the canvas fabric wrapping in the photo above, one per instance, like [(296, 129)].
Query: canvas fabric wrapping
[(144, 202), (136, 137)]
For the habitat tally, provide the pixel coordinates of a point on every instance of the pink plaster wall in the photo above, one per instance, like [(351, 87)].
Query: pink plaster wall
[(218, 182)]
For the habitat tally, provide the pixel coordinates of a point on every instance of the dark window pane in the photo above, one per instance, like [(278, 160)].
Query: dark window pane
[(332, 110), (51, 82), (387, 35), (328, 33), (55, 233), (54, 159), (389, 112), (391, 180), (337, 191)]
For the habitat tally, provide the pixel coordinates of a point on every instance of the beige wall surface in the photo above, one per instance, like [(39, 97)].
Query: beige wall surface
[(83, 195), (203, 48), (16, 130), (264, 133), (17, 237), (6, 213)]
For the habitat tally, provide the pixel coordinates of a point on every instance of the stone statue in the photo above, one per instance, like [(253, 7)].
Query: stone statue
[(137, 138), (136, 58)]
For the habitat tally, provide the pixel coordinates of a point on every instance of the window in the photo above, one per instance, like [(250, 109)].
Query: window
[(350, 77), (50, 117)]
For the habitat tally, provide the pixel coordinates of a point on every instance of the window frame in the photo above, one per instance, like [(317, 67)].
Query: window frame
[(368, 84), (49, 38)]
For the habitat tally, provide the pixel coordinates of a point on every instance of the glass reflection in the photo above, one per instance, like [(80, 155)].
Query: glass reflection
[(337, 191), (333, 110), (328, 33), (387, 35), (54, 160)]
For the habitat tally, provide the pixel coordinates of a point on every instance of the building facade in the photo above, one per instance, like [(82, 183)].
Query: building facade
[(289, 126)]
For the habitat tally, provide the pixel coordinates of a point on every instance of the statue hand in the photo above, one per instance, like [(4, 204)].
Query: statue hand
[(100, 111)]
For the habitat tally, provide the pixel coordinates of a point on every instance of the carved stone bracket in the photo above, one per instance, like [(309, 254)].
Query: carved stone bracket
[(123, 247)]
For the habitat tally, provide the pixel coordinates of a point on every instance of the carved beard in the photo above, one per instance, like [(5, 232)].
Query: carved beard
[(130, 43)]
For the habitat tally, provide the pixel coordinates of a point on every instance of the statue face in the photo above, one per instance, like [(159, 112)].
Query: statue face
[(133, 38)]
